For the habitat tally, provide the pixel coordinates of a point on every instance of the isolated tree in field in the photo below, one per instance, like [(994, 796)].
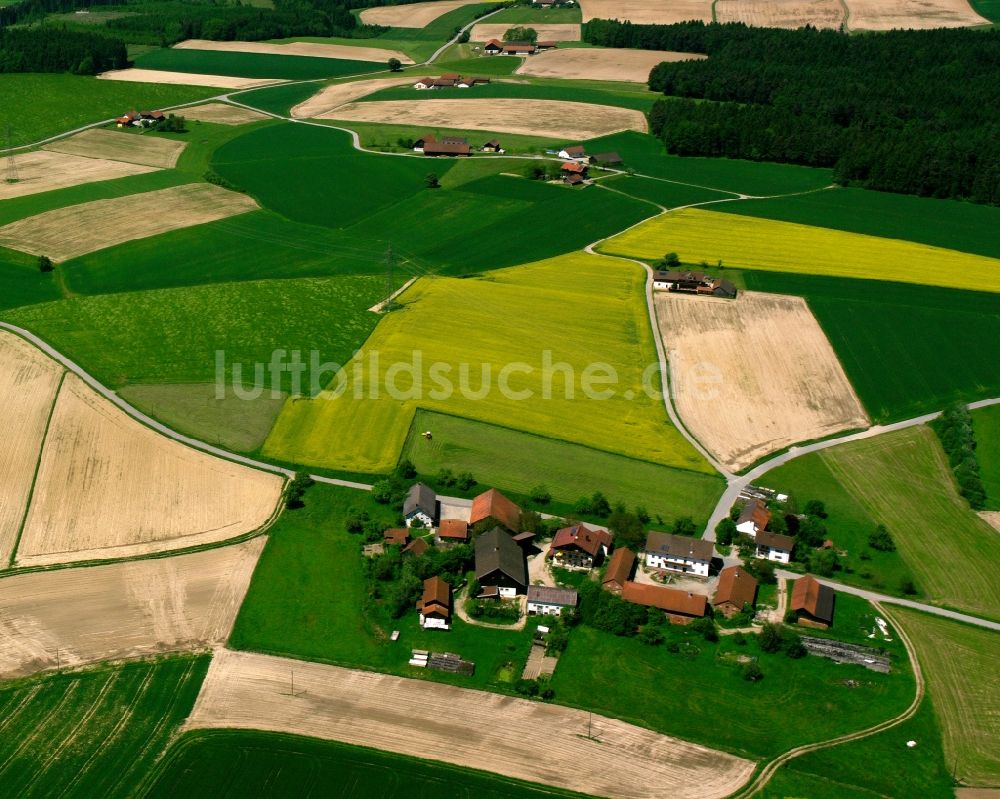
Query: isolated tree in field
[(881, 540), (406, 470), (752, 672), (540, 495), (521, 34), (815, 507), (771, 638), (395, 65), (432, 181), (669, 261), (45, 264), (297, 490)]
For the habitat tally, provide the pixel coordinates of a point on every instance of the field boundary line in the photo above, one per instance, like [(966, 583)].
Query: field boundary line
[(769, 770), (38, 465)]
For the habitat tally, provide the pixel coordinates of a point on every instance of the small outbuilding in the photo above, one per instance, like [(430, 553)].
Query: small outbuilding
[(434, 606), (452, 531), (812, 602), (681, 607), (736, 588), (619, 570), (544, 600)]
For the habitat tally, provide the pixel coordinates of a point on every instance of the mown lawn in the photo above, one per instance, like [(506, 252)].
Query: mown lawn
[(216, 763), (761, 244), (848, 524), (647, 156), (525, 15), (940, 223), (986, 426), (959, 663), (175, 335), (278, 99), (513, 326), (39, 106), (252, 65), (95, 732), (877, 766), (308, 599), (798, 701), (22, 283), (569, 471), (902, 479), (669, 195), (907, 349)]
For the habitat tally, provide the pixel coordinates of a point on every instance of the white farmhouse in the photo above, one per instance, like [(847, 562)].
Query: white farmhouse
[(678, 553), (420, 504), (753, 518), (771, 546), (544, 600)]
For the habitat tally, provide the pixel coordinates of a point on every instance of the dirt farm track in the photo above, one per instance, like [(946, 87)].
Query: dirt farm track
[(462, 727)]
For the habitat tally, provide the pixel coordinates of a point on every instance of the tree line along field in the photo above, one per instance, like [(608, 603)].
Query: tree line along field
[(905, 348), (225, 764), (42, 105), (903, 481), (96, 732), (597, 316), (986, 427), (568, 471), (762, 244), (252, 65)]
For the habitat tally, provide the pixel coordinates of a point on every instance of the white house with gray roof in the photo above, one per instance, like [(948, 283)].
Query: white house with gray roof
[(678, 553)]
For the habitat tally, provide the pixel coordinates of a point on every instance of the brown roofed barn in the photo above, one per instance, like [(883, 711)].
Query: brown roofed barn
[(453, 531), (681, 607), (812, 602), (494, 505), (435, 604), (736, 589), (619, 570)]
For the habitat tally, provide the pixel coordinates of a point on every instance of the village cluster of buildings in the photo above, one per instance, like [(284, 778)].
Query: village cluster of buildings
[(450, 80), (452, 146), (140, 119), (501, 568), (693, 283)]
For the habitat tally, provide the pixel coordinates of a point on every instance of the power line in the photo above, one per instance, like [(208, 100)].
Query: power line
[(11, 163)]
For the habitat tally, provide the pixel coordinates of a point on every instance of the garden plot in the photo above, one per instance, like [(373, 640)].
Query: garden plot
[(753, 375), (109, 487), (412, 15), (552, 32), (46, 171), (222, 114), (71, 617), (28, 385), (78, 229), (137, 75), (480, 730), (555, 119), (647, 12), (883, 15), (133, 148), (313, 49), (330, 97), (781, 13), (599, 63)]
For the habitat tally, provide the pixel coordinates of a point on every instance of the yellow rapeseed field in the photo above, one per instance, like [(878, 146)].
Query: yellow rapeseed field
[(577, 310), (750, 243)]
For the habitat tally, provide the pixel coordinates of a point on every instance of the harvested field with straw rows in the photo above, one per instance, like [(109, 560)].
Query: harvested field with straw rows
[(413, 15), (46, 171), (313, 49), (883, 15), (109, 487), (120, 610), (753, 375), (330, 97), (222, 114), (133, 148), (652, 12), (78, 229), (137, 75), (28, 385), (552, 32), (781, 13), (599, 63), (480, 730), (554, 119)]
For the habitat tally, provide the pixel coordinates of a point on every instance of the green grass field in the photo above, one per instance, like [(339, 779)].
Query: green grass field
[(990, 9), (849, 523), (307, 183), (569, 471), (173, 335), (420, 43), (798, 701), (253, 65), (460, 58), (231, 422), (385, 138), (563, 90), (46, 105), (225, 764), (22, 283), (277, 99), (986, 425), (514, 325), (308, 599), (939, 223), (661, 192), (877, 766), (525, 15), (903, 481), (259, 245), (647, 156), (95, 732), (959, 663), (905, 348)]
